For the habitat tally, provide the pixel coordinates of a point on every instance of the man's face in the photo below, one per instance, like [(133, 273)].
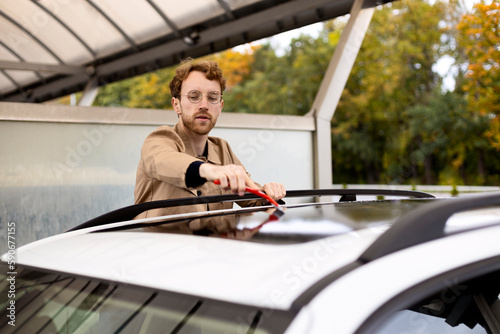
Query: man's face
[(198, 118)]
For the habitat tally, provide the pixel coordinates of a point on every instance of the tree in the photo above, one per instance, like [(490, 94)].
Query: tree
[(393, 72), (235, 65), (115, 94), (446, 144), (479, 37), (151, 90), (284, 84)]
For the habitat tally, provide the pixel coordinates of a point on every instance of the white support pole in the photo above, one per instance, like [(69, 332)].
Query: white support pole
[(333, 84), (89, 93)]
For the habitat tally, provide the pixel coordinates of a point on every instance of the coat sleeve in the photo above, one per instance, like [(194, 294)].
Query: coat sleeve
[(237, 161), (163, 157)]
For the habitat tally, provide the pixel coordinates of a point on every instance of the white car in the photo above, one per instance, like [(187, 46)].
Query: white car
[(418, 265)]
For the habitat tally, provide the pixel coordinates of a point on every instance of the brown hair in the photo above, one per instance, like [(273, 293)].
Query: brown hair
[(208, 67)]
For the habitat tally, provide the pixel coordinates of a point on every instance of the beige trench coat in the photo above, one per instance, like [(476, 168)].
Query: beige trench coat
[(161, 174)]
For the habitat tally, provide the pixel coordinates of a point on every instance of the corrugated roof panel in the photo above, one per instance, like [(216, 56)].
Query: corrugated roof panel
[(6, 54), (235, 4), (44, 30), (86, 21), (113, 40), (5, 84), (24, 77), (187, 13), (138, 19), (23, 44)]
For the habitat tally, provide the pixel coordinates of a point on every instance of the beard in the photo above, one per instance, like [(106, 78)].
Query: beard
[(198, 127)]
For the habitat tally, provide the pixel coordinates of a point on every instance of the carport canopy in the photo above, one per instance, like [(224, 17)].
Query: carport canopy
[(52, 48)]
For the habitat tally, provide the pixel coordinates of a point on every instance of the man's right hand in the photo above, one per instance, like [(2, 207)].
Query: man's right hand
[(233, 177)]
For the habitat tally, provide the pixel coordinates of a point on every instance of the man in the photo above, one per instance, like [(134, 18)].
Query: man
[(183, 161)]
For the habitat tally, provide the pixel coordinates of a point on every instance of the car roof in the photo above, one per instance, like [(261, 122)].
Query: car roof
[(399, 280), (217, 268), (254, 273)]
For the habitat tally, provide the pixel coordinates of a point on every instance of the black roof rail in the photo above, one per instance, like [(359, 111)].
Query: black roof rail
[(130, 212), (425, 224), (350, 194)]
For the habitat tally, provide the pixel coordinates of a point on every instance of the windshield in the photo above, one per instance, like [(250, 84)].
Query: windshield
[(45, 302)]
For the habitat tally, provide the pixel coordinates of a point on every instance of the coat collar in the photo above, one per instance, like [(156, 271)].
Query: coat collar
[(213, 151)]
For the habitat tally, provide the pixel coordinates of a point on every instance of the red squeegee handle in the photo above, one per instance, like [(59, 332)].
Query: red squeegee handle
[(258, 193)]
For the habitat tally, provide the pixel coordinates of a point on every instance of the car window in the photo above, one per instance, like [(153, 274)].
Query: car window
[(60, 303), (472, 306)]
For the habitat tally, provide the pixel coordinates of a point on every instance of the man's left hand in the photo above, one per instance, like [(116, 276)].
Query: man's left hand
[(274, 190)]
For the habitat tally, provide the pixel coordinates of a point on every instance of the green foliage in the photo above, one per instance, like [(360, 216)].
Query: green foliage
[(446, 141), (394, 124), (284, 84), (115, 94)]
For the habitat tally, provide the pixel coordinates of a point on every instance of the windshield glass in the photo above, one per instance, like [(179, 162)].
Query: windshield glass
[(43, 302)]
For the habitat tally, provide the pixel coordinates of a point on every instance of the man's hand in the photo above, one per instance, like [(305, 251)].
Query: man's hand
[(274, 190), (232, 177)]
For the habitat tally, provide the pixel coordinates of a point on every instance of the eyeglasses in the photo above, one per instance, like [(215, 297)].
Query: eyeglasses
[(195, 96)]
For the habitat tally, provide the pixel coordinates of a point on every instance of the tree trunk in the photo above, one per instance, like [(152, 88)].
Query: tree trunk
[(463, 174), (428, 170), (371, 174), (481, 169)]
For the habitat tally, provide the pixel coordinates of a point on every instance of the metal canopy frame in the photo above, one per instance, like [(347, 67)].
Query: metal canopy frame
[(333, 84), (217, 25)]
